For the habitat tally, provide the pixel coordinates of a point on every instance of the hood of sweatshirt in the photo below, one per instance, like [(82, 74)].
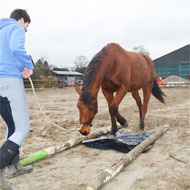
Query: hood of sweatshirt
[(7, 21), (13, 56)]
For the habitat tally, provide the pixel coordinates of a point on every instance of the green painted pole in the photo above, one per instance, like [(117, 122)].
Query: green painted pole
[(119, 126), (31, 158)]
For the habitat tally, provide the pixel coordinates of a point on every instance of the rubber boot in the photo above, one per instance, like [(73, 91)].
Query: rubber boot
[(15, 170), (7, 154), (4, 185)]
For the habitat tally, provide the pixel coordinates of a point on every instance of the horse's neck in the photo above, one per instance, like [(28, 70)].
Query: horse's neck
[(96, 84), (94, 89)]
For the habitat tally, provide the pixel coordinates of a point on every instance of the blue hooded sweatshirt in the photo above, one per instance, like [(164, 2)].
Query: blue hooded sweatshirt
[(13, 56)]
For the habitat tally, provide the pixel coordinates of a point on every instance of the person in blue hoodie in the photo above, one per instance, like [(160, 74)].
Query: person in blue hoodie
[(15, 64)]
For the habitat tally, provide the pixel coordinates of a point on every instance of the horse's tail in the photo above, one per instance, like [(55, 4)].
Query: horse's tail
[(157, 93)]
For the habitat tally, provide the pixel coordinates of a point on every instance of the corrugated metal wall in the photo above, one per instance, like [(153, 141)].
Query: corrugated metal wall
[(174, 63), (181, 70), (184, 70)]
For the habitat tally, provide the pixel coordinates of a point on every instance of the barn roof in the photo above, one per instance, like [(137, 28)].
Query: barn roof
[(67, 73), (176, 57)]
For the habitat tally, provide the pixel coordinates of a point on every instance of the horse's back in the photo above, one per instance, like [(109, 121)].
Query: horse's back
[(131, 69)]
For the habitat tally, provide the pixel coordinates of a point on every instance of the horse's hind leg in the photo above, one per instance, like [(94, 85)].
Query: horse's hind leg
[(146, 94), (137, 98)]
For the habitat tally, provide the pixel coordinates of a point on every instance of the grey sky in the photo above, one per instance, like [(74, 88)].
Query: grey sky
[(61, 30)]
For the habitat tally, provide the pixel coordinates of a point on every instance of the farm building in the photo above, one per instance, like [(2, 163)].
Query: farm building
[(67, 78), (174, 63)]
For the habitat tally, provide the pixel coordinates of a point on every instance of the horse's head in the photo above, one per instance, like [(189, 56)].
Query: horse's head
[(88, 107)]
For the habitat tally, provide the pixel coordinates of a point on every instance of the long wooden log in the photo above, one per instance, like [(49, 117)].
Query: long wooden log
[(47, 152), (105, 176)]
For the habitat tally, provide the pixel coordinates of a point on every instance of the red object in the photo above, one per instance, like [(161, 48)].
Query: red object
[(160, 81)]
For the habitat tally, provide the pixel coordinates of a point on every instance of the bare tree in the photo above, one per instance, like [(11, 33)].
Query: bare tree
[(41, 67), (81, 64), (141, 49)]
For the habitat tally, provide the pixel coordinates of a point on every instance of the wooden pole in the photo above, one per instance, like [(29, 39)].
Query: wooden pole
[(105, 176), (47, 152)]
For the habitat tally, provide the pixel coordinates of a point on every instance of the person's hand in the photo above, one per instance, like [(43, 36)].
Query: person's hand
[(26, 73)]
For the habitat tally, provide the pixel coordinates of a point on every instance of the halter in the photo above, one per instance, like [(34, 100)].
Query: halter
[(89, 122)]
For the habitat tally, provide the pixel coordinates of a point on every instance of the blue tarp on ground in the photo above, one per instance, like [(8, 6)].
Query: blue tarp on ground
[(123, 142)]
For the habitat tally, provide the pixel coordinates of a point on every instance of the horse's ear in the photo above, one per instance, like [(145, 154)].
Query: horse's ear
[(77, 88)]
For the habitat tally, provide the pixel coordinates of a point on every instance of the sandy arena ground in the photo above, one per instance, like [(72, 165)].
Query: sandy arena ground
[(69, 170)]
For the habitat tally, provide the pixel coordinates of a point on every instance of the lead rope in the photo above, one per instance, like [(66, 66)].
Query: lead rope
[(37, 101)]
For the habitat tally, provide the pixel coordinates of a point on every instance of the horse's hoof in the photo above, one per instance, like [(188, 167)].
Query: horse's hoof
[(141, 126), (126, 124), (112, 136)]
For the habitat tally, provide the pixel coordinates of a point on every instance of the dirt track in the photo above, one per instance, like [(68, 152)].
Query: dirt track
[(69, 170)]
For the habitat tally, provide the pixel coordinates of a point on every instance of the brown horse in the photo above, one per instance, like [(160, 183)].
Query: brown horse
[(116, 70)]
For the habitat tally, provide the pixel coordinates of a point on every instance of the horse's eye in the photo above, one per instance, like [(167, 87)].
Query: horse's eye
[(91, 109)]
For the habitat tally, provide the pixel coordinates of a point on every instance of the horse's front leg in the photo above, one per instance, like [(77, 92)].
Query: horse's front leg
[(110, 97), (113, 113), (114, 109), (121, 119)]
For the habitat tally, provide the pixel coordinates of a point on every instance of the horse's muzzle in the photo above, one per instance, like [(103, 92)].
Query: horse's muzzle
[(85, 133), (85, 130)]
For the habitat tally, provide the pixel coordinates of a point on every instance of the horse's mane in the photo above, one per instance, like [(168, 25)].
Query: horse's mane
[(90, 70), (94, 64), (89, 75)]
